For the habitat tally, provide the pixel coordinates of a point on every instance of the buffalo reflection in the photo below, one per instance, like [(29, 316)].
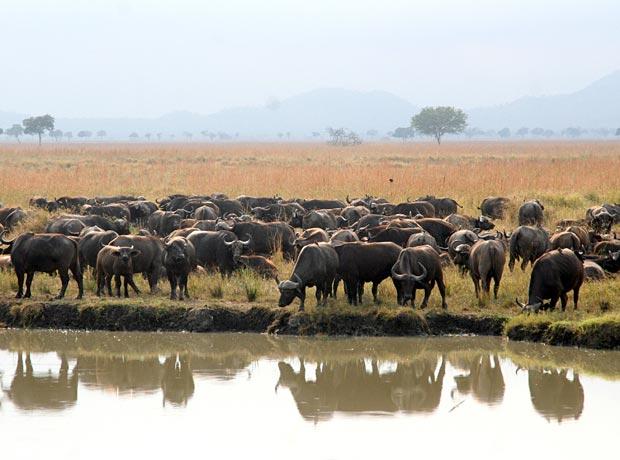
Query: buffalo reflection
[(29, 391), (554, 395), (484, 380), (349, 387)]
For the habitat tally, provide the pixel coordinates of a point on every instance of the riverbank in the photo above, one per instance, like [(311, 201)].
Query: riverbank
[(599, 332)]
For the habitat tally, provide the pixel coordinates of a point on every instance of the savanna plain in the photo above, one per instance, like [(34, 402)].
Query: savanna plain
[(567, 177)]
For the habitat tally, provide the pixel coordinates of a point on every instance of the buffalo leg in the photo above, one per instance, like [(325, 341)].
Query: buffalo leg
[(552, 303), (29, 278), (350, 286), (496, 280), (413, 297), (476, 285), (575, 297), (563, 300), (302, 298), (108, 283), (360, 291), (129, 279), (427, 293), (78, 276), (375, 287), (318, 293), (184, 278), (442, 292), (153, 278), (64, 278), (173, 286), (117, 285), (20, 284)]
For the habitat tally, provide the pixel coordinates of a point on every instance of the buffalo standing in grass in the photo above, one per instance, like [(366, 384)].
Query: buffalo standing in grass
[(179, 260), (149, 260), (470, 223), (494, 207), (443, 206), (418, 267), (531, 213), (90, 245), (117, 262), (554, 275), (47, 253), (527, 244), (316, 266), (486, 262), (365, 262), (219, 250)]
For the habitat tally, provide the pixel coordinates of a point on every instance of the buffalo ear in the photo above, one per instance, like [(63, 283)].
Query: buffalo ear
[(135, 252)]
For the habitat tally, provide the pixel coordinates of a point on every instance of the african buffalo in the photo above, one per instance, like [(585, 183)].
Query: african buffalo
[(261, 265), (65, 226), (600, 219), (365, 262), (485, 263), (554, 274), (565, 240), (470, 223), (179, 260), (396, 235), (319, 219), (47, 253), (311, 236), (527, 243), (218, 250), (418, 267), (414, 208), (163, 223), (10, 217), (120, 226), (421, 239), (113, 210), (116, 261), (438, 228), (443, 206), (267, 238), (531, 213), (149, 261), (494, 207), (90, 245)]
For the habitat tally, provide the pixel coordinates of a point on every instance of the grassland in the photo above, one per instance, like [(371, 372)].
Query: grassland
[(567, 177)]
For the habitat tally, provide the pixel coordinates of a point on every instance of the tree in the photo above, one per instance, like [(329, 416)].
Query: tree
[(159, 136), (38, 125), (101, 133), (68, 135), (403, 133), (523, 131), (148, 136), (16, 130), (504, 133), (437, 121), (343, 137), (84, 134), (538, 132), (57, 134), (1, 131), (372, 132), (573, 132), (548, 133), (133, 135), (187, 135), (618, 132)]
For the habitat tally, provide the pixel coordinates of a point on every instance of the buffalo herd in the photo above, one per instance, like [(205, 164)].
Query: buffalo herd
[(356, 241)]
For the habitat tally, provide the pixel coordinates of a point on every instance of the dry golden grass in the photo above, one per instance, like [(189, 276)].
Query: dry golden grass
[(567, 176)]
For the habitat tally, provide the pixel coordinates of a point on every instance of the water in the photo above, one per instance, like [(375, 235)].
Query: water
[(121, 395)]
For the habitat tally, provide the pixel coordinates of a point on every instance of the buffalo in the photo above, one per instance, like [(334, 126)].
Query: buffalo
[(218, 250), (470, 223), (438, 228), (531, 213), (565, 240), (554, 275), (316, 266), (163, 223), (149, 260), (116, 261), (413, 208), (47, 253), (267, 238), (443, 206), (260, 265), (91, 243), (319, 219), (600, 219), (494, 207), (485, 263), (365, 262), (179, 260), (418, 267), (527, 244), (10, 217)]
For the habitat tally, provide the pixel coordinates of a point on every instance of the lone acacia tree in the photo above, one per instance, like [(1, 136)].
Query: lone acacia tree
[(437, 121), (16, 130), (38, 125)]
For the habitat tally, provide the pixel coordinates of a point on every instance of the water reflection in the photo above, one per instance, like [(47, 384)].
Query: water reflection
[(322, 376)]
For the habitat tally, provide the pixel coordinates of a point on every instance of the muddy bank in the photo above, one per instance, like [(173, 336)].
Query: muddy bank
[(603, 332)]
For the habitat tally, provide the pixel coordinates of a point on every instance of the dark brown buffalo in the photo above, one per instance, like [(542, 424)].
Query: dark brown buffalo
[(206, 224), (531, 213), (470, 223), (163, 223), (140, 210), (609, 262), (261, 265), (485, 263), (182, 232), (554, 275), (352, 214), (592, 271), (71, 203), (438, 228), (614, 210), (400, 236), (103, 200), (65, 226), (316, 265), (413, 208), (494, 207), (218, 250), (284, 212), (205, 213), (47, 253), (10, 217), (600, 219), (149, 261), (369, 220), (604, 247), (179, 261), (527, 243), (228, 206), (120, 226), (443, 206), (458, 238), (117, 262), (319, 219), (249, 202), (267, 238), (565, 240), (365, 262), (583, 235), (418, 267), (90, 245)]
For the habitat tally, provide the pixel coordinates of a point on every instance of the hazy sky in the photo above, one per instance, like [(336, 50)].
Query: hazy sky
[(148, 57)]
